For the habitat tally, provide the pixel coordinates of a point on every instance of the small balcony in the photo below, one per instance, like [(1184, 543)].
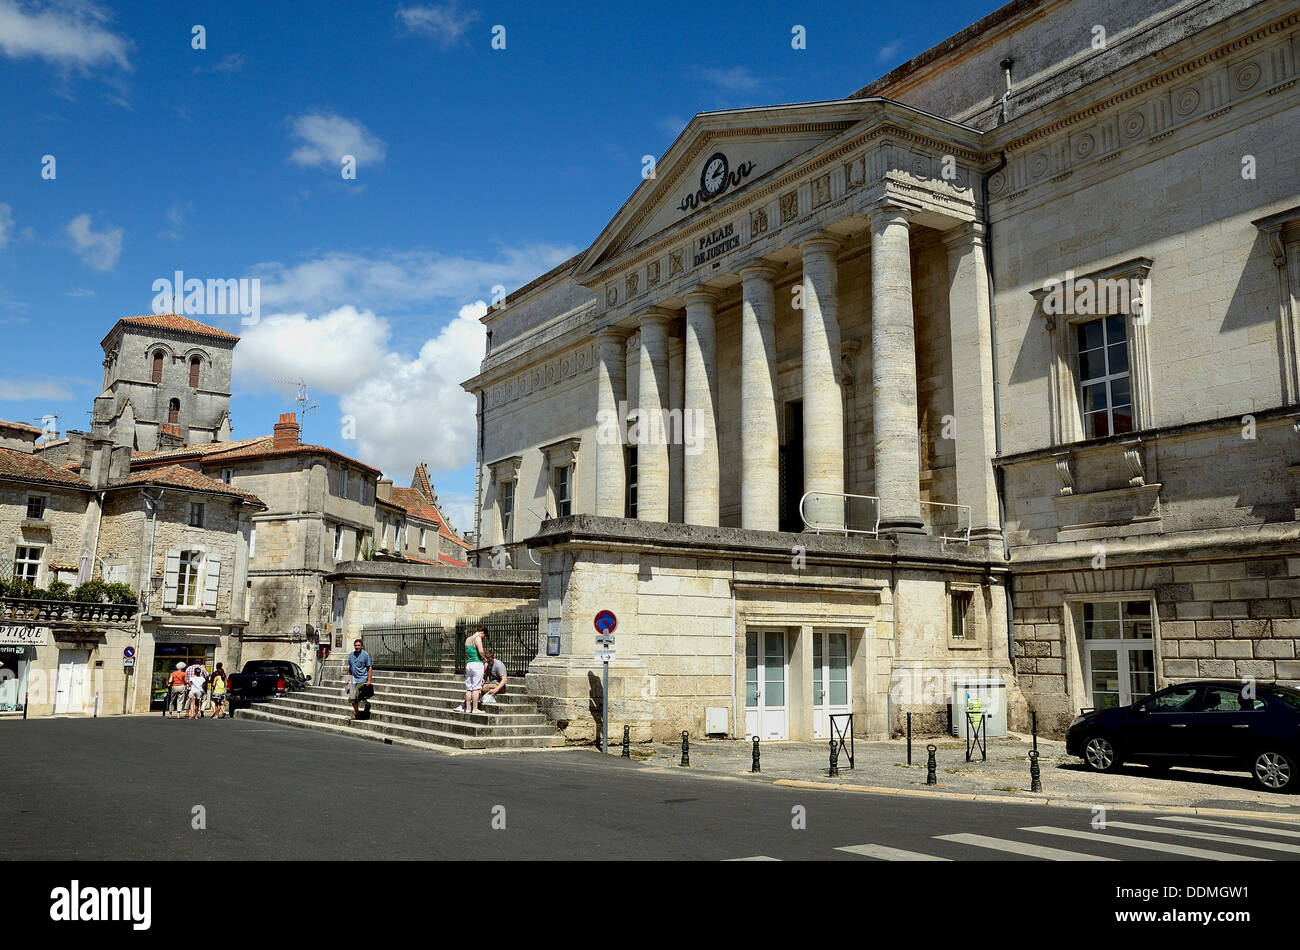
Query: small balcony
[(838, 513), (66, 612)]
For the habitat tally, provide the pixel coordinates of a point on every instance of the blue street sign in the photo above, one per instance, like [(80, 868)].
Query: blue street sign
[(128, 653), (606, 621)]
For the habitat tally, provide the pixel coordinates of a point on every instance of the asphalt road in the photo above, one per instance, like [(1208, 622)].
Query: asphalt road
[(128, 788)]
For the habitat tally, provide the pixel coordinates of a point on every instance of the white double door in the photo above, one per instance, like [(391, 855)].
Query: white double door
[(830, 680), (70, 687), (767, 681)]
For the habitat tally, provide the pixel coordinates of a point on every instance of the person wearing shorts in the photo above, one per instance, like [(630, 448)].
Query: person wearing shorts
[(475, 650), (220, 690)]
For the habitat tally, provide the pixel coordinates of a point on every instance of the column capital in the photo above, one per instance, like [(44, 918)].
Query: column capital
[(655, 316), (759, 270), (613, 333), (888, 211), (815, 240), (966, 233), (700, 293)]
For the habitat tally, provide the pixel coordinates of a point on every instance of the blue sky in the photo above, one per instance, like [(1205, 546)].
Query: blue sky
[(475, 167)]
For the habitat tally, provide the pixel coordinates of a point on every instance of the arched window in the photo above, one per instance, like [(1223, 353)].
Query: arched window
[(194, 372), (174, 411), (157, 365)]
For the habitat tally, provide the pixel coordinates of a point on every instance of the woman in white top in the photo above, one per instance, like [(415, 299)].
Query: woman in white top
[(198, 683)]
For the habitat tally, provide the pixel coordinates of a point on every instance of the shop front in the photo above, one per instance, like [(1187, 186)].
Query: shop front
[(18, 646), (172, 646)]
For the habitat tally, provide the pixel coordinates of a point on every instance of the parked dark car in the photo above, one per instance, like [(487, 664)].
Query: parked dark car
[(265, 679), (1226, 725)]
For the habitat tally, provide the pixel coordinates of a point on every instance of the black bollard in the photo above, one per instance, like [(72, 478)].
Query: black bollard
[(754, 767), (1035, 776), (835, 761), (1033, 719), (930, 778), (627, 742), (686, 747), (909, 738)]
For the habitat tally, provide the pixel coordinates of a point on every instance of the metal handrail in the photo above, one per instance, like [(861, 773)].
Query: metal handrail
[(844, 529), (960, 535)]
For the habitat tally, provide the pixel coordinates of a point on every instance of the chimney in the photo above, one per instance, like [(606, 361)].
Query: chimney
[(285, 434), (119, 463), (98, 470), (170, 437), (384, 489)]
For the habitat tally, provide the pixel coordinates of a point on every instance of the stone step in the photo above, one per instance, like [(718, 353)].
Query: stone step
[(431, 737), (433, 696), (460, 723)]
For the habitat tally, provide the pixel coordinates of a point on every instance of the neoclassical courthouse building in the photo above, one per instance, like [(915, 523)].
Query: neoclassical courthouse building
[(986, 371)]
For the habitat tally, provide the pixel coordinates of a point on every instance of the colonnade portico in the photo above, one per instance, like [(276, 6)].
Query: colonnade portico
[(894, 412)]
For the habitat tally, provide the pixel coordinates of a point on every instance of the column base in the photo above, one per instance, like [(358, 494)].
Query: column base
[(903, 525)]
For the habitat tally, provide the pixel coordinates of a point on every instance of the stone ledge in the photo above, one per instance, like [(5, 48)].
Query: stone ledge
[(402, 573)]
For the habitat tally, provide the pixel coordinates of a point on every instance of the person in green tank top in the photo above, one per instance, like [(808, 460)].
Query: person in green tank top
[(475, 649)]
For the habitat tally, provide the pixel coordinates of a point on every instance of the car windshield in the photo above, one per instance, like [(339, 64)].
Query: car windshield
[(263, 668), (1178, 699)]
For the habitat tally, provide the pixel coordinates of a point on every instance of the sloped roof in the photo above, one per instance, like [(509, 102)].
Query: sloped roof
[(176, 323), (188, 452), (20, 427), (26, 467), (265, 448), (416, 505), (177, 476)]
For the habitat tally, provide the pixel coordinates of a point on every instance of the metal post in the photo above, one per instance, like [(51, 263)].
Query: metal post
[(753, 768), (1034, 723), (909, 738), (930, 778), (686, 747), (1035, 776), (604, 711), (26, 694), (627, 742), (835, 761)]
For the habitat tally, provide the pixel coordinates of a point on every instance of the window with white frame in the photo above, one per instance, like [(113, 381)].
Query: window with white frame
[(35, 507), (961, 600), (227, 475), (562, 485), (1105, 396), (423, 533), (252, 541), (1118, 650), (507, 508), (188, 576), (27, 564), (338, 542)]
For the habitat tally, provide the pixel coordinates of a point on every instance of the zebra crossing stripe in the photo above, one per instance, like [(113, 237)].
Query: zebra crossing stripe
[(886, 853), (1233, 826), (1207, 836), (1162, 846), (1020, 847), (757, 857)]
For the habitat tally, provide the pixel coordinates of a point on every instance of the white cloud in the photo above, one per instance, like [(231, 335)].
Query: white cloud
[(400, 280), (68, 33), (6, 223), (98, 249), (228, 64), (887, 53), (335, 352), (175, 218), (325, 138), (30, 390), (445, 23), (734, 79)]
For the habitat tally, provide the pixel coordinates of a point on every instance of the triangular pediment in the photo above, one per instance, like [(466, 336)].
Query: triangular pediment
[(718, 156)]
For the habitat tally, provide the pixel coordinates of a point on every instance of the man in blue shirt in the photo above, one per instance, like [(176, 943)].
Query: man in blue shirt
[(359, 672)]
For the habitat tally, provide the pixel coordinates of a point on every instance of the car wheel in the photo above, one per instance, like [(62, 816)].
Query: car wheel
[(1273, 771), (1099, 754)]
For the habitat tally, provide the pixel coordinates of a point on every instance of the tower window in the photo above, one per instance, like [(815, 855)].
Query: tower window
[(194, 372), (174, 411), (157, 366)]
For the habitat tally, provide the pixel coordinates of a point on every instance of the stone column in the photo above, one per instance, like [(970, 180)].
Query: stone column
[(823, 403), (652, 447), (700, 409), (611, 393), (893, 373), (972, 388), (760, 484), (676, 384)]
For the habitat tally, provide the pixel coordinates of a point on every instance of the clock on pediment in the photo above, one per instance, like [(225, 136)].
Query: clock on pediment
[(713, 177)]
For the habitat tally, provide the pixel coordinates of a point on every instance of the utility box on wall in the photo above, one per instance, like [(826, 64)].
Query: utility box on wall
[(991, 695), (715, 720)]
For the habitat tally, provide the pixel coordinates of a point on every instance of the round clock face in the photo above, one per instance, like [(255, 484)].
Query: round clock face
[(714, 175)]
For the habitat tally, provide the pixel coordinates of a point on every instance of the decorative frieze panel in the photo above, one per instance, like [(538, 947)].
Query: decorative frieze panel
[(555, 370)]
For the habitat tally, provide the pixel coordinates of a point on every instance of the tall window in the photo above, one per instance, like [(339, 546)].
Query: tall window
[(195, 363), (631, 482), (157, 366), (187, 579), (338, 542), (252, 541), (422, 539), (343, 483), (196, 515), (174, 411), (227, 475), (960, 607), (27, 564), (563, 491), (1104, 391), (507, 512), (1119, 651)]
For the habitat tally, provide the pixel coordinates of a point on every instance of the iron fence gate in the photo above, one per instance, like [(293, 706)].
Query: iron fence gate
[(432, 648)]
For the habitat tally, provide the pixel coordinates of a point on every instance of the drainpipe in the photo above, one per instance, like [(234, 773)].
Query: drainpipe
[(1006, 65), (151, 502), (998, 478), (735, 726)]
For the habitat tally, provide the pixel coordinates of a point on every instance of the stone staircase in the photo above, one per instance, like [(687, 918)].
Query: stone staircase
[(416, 709)]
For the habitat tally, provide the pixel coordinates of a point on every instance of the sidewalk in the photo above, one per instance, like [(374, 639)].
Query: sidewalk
[(883, 765)]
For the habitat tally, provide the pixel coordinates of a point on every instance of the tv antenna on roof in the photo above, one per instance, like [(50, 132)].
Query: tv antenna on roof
[(301, 399), (50, 425)]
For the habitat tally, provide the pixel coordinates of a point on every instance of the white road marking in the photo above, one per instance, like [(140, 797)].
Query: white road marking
[(1232, 826), (1165, 847), (1020, 847), (1207, 836), (757, 857), (886, 853)]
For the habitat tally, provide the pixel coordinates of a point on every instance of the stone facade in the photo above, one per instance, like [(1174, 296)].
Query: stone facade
[(853, 317)]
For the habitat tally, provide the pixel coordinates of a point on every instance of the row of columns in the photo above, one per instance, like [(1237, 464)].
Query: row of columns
[(894, 414)]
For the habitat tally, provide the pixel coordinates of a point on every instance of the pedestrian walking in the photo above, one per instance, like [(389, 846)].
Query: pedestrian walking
[(220, 690), (198, 686), (475, 649), (360, 670), (177, 692)]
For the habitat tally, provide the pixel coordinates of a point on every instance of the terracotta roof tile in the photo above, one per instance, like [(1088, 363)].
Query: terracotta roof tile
[(268, 450), (174, 321), (416, 505), (177, 476), (24, 466), (20, 427)]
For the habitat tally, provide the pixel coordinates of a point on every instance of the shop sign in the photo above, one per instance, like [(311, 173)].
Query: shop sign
[(21, 634), (185, 636)]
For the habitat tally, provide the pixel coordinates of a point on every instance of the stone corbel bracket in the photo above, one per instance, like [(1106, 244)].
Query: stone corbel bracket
[(1065, 469)]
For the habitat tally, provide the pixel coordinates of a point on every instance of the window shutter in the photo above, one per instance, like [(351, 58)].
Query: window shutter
[(212, 574), (172, 567)]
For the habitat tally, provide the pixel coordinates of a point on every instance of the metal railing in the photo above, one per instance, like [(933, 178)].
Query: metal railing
[(840, 513), (946, 522), (434, 648)]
